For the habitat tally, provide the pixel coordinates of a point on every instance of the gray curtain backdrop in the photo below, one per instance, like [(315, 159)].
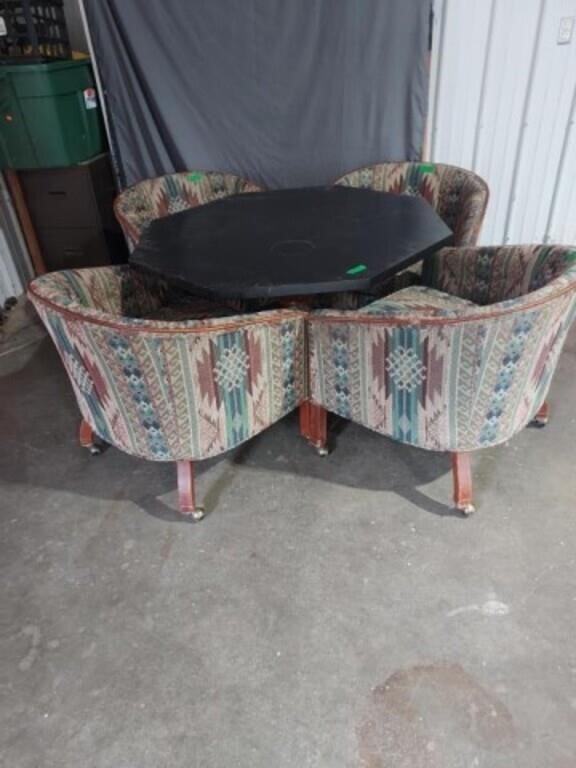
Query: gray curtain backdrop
[(284, 92)]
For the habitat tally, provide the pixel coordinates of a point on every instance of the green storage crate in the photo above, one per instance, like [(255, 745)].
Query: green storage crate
[(49, 115)]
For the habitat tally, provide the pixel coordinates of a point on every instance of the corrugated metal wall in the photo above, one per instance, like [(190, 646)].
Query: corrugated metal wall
[(10, 282), (15, 267), (503, 103)]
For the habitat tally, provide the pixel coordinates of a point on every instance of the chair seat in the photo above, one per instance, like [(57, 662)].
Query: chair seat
[(416, 298), (195, 309), (147, 297)]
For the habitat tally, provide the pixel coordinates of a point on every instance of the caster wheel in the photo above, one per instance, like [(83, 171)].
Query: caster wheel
[(538, 423), (95, 450), (322, 451), (195, 515), (466, 510)]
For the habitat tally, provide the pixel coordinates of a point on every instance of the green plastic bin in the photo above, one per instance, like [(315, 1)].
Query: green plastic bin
[(49, 115)]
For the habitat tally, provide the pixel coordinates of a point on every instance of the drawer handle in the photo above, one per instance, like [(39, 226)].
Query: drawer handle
[(57, 193), (72, 252)]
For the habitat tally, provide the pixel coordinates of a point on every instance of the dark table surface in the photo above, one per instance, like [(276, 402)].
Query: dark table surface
[(291, 242)]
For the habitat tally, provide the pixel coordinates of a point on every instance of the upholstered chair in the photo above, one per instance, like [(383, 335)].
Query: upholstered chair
[(460, 364), (459, 196), (151, 199), (164, 390)]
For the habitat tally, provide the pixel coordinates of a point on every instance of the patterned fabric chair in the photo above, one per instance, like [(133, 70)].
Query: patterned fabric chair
[(462, 364), (169, 391), (151, 199), (459, 196)]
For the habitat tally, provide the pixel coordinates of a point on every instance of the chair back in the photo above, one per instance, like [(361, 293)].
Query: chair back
[(151, 199), (459, 196)]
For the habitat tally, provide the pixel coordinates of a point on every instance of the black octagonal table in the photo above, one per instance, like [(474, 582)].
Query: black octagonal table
[(291, 242)]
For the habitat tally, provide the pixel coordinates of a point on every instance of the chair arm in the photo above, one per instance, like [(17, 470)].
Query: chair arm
[(463, 197), (93, 288), (491, 274), (96, 296)]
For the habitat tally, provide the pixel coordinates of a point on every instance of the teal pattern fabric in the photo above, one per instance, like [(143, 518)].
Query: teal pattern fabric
[(164, 390), (460, 377)]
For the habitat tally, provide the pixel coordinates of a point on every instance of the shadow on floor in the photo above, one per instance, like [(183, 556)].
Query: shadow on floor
[(39, 448)]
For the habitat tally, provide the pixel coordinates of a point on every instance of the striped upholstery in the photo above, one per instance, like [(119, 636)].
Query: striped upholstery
[(467, 378), (170, 391), (151, 199)]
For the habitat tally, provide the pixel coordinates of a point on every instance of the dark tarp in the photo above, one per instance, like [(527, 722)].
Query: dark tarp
[(285, 92)]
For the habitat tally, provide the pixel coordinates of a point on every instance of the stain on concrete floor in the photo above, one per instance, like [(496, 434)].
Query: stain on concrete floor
[(421, 717)]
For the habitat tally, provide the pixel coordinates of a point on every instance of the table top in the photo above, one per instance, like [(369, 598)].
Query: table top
[(291, 242)]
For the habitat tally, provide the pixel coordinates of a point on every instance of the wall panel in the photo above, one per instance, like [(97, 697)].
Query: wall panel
[(503, 106)]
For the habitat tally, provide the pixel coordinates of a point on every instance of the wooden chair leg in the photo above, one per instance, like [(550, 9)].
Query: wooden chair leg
[(304, 419), (314, 426), (186, 491), (542, 416), (87, 438), (462, 476)]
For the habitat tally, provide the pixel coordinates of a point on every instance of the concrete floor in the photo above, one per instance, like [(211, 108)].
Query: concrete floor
[(327, 612)]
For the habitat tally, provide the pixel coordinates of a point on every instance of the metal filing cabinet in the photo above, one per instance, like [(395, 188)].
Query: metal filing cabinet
[(71, 209)]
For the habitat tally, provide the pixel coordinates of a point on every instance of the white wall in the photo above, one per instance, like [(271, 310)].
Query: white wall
[(503, 103)]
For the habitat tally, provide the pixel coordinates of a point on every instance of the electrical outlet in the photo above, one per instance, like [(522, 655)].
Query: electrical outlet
[(565, 30)]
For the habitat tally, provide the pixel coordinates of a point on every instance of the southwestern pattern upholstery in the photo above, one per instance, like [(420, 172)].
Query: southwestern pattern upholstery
[(151, 199), (169, 391), (418, 298), (149, 297), (459, 196), (454, 374)]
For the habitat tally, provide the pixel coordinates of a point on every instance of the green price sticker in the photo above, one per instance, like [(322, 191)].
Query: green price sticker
[(356, 269)]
